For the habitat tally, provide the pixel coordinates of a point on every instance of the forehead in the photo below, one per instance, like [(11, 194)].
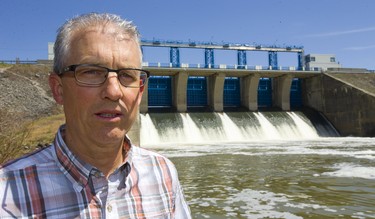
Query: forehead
[(103, 44)]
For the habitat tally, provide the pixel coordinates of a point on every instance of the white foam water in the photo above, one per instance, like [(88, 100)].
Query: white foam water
[(222, 128), (352, 170)]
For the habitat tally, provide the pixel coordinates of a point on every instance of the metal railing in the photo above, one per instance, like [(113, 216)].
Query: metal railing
[(224, 66), (18, 61)]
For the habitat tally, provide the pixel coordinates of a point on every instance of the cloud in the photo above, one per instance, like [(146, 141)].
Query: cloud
[(339, 33), (357, 48)]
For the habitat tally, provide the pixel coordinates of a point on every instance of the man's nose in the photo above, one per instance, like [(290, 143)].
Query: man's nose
[(112, 87)]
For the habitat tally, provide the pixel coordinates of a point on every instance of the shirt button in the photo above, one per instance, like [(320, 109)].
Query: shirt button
[(109, 208), (97, 174)]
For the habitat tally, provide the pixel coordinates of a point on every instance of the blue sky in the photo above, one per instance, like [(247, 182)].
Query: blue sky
[(344, 28)]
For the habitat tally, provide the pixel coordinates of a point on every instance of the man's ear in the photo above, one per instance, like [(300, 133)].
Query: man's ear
[(140, 94), (55, 84), (141, 89)]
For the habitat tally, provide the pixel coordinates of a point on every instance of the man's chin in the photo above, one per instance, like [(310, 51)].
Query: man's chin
[(110, 136)]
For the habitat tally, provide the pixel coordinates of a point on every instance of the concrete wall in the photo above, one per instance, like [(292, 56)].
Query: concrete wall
[(215, 91), (347, 100), (179, 90), (281, 92)]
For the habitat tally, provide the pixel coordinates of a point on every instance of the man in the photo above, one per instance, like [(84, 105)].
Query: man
[(92, 170)]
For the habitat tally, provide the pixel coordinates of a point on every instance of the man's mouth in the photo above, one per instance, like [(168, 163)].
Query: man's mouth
[(108, 115)]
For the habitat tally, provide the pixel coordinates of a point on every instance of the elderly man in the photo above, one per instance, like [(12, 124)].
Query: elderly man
[(92, 170)]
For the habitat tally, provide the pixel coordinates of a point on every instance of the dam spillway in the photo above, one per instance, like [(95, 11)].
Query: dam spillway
[(201, 127)]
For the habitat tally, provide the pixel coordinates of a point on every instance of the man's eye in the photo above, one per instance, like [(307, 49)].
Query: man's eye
[(92, 72), (127, 76)]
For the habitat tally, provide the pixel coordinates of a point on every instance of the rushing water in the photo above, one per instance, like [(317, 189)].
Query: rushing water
[(283, 169)]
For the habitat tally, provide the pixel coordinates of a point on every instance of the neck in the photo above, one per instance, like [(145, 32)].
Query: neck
[(106, 158)]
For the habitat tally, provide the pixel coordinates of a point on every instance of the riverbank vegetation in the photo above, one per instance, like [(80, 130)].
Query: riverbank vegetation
[(18, 137), (12, 136)]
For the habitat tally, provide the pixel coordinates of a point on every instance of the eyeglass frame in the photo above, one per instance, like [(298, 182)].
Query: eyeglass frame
[(72, 68)]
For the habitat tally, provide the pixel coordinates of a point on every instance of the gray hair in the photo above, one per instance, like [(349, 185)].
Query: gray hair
[(67, 30)]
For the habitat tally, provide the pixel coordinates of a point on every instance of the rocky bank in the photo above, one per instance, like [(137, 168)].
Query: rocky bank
[(24, 91)]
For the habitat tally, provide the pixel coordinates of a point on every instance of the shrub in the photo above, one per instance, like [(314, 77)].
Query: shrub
[(12, 136)]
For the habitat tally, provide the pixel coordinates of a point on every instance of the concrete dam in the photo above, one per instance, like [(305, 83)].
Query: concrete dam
[(344, 98)]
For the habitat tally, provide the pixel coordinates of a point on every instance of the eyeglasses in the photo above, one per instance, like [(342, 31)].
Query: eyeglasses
[(94, 75)]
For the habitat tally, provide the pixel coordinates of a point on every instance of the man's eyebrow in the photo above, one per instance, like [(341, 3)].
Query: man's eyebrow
[(102, 64), (129, 66), (89, 61)]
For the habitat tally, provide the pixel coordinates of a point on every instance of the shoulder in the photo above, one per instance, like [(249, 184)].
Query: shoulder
[(40, 157)]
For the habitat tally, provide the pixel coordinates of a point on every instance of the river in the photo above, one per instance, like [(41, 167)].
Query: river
[(290, 173)]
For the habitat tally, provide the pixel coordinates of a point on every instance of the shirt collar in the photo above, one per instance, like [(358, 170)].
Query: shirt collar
[(76, 170)]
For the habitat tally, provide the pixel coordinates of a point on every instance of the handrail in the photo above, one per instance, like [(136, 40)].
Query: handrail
[(224, 66), (18, 61), (223, 45)]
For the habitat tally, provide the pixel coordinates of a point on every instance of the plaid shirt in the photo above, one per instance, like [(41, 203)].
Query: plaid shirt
[(54, 183)]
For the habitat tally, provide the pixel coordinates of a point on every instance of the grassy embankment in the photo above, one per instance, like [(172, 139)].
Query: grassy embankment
[(19, 139), (44, 129)]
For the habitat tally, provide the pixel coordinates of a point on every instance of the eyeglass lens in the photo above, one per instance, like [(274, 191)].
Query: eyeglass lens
[(95, 75)]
